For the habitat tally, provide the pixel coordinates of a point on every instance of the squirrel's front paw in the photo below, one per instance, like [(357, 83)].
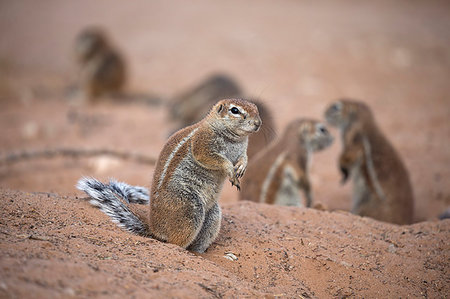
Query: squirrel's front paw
[(239, 169)]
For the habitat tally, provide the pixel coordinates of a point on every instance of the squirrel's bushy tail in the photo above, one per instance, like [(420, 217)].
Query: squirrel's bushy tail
[(106, 198)]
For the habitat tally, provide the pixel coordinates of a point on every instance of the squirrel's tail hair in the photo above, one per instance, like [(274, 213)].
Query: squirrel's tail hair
[(132, 194), (105, 197)]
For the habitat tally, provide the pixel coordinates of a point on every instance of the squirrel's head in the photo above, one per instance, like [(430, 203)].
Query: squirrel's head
[(89, 43), (344, 112), (238, 117), (310, 133)]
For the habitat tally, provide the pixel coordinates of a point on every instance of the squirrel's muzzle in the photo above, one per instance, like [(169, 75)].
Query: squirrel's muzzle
[(257, 123)]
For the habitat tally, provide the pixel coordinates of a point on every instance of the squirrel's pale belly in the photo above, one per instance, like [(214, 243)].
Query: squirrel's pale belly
[(361, 192), (234, 150), (190, 178), (288, 193)]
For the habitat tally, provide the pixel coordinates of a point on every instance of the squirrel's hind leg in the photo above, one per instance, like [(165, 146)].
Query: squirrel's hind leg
[(176, 219), (209, 230)]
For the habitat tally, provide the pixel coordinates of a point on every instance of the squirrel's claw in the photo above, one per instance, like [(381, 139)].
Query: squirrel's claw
[(235, 182)]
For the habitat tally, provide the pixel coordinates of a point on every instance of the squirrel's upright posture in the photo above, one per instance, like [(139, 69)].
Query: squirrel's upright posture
[(188, 178), (278, 174), (192, 105), (381, 186), (102, 68)]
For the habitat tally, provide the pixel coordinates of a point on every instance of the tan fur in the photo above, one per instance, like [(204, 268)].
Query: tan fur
[(102, 68), (381, 186), (191, 170), (278, 174), (192, 105)]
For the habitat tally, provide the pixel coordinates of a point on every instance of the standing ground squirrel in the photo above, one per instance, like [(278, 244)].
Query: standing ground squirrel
[(192, 105), (188, 178), (277, 174), (381, 186), (102, 68)]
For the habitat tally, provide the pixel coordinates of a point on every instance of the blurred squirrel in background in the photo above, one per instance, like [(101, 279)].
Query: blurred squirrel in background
[(102, 69), (381, 185), (279, 173), (192, 105)]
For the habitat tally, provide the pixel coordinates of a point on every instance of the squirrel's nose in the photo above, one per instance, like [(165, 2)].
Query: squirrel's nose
[(257, 124)]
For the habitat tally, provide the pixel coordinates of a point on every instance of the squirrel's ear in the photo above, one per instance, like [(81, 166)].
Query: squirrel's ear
[(220, 108)]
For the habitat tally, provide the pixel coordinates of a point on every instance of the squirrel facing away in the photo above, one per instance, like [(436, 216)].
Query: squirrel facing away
[(192, 105), (187, 181), (102, 68), (381, 185), (278, 174)]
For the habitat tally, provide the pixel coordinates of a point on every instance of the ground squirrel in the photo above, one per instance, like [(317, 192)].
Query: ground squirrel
[(188, 178), (277, 174), (381, 186), (101, 67), (192, 105)]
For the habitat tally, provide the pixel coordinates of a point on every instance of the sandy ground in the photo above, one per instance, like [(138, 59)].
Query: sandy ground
[(295, 55)]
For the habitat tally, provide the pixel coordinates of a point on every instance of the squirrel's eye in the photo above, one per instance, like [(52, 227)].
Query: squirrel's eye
[(323, 130), (336, 107), (234, 110)]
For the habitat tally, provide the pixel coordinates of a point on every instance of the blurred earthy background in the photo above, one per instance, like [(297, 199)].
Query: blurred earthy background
[(296, 56)]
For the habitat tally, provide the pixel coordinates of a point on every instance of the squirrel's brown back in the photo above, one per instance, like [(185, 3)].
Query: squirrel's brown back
[(191, 106)]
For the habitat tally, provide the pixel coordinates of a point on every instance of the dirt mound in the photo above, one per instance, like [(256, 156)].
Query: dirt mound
[(59, 246)]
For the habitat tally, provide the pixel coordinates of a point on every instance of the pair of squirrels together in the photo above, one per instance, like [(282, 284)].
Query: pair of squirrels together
[(196, 160)]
